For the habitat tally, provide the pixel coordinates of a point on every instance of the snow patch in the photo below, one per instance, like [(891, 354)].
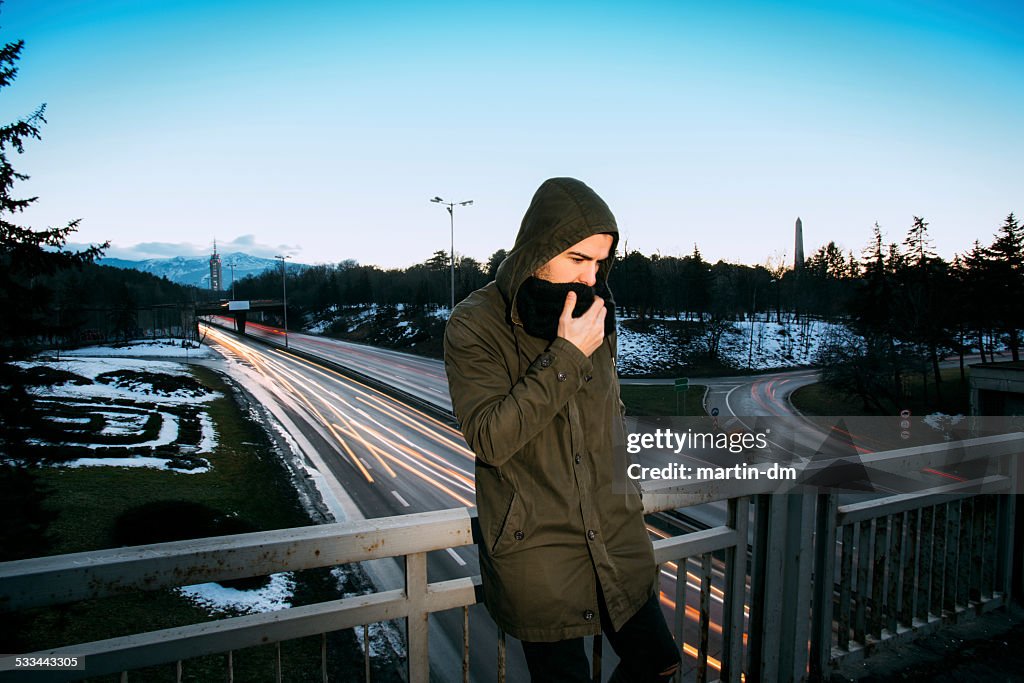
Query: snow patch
[(122, 424), (93, 367), (276, 595), (385, 637), (208, 442), (104, 401), (157, 347), (67, 420), (754, 345), (136, 461)]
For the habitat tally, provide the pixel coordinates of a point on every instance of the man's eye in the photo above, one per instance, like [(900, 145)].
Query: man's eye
[(576, 260)]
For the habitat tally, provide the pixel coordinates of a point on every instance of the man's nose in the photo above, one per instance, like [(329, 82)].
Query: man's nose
[(589, 276)]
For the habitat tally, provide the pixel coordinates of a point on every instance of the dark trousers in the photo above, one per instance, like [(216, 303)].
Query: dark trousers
[(644, 645)]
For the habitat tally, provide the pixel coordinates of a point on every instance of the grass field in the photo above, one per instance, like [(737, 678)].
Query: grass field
[(662, 399), (819, 399), (246, 481)]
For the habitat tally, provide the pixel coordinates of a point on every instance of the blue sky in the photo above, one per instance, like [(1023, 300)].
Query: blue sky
[(321, 129)]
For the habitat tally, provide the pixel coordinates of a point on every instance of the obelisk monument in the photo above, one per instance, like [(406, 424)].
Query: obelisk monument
[(798, 250)]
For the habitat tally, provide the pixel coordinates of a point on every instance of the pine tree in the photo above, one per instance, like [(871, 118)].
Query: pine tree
[(1006, 268), (920, 302), (976, 278), (25, 254)]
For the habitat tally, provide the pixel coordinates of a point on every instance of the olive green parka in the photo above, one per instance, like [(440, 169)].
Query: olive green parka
[(541, 418)]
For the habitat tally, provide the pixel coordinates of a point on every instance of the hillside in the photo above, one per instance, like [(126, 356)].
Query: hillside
[(195, 270)]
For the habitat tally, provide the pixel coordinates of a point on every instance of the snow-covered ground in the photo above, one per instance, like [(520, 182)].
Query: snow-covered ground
[(90, 402), (761, 345), (163, 348), (122, 404), (641, 353), (276, 595), (757, 345)]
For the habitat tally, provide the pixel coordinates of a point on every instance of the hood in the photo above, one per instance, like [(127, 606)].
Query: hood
[(564, 211)]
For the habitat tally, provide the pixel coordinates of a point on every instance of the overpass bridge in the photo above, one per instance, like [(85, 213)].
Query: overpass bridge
[(786, 589), (239, 310)]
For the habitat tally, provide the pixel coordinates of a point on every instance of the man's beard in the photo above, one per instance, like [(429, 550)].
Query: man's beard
[(540, 304)]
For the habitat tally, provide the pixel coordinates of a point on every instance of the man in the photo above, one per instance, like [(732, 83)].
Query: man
[(530, 359)]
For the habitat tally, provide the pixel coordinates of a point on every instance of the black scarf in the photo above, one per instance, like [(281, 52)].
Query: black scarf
[(540, 305)]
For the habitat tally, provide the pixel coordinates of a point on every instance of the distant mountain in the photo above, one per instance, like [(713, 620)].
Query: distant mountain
[(196, 270)]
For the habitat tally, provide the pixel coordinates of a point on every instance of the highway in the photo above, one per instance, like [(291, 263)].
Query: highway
[(416, 375)]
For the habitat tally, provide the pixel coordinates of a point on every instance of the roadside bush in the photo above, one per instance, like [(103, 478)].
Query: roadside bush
[(190, 431), (46, 376)]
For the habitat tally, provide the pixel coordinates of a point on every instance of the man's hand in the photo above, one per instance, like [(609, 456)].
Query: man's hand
[(585, 332)]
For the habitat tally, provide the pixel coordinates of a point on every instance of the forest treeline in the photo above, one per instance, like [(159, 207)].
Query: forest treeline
[(899, 296), (900, 308)]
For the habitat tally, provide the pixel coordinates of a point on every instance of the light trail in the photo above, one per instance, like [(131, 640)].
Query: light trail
[(457, 472), (352, 427), (318, 391), (386, 445), (692, 614), (455, 445), (266, 367), (447, 475)]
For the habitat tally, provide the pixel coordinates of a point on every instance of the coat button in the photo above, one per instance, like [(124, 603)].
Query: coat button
[(519, 535), (562, 377), (591, 534), (545, 361), (588, 615), (577, 458), (588, 378)]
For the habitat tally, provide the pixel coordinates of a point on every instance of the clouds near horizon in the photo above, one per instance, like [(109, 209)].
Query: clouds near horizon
[(154, 250)]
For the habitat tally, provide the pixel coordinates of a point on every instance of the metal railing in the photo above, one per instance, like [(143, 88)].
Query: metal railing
[(905, 566), (896, 564)]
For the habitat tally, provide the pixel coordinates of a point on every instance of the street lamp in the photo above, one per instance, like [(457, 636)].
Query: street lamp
[(284, 289), (234, 318), (451, 212)]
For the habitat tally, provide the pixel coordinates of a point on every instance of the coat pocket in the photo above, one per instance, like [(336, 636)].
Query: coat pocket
[(509, 531)]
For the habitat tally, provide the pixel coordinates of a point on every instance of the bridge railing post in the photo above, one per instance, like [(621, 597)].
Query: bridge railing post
[(780, 587)]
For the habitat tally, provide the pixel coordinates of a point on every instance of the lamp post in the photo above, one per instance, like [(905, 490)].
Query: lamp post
[(234, 318), (451, 212), (284, 289)]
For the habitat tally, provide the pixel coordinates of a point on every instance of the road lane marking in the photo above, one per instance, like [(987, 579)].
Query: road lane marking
[(400, 499), (368, 465), (455, 556), (727, 395)]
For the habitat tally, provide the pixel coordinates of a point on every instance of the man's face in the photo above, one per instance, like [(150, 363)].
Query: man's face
[(578, 263)]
